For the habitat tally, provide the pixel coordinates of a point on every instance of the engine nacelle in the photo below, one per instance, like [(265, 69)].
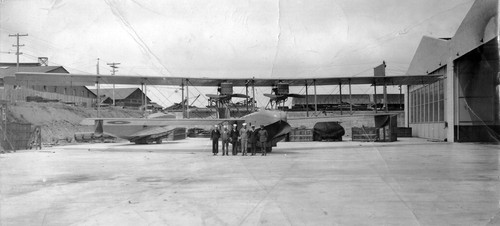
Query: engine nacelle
[(282, 88), (226, 88)]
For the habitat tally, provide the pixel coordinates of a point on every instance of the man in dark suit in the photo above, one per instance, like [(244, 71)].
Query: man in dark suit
[(252, 139), (234, 138), (214, 136), (263, 139)]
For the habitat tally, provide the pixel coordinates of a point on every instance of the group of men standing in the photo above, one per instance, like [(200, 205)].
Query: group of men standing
[(246, 137)]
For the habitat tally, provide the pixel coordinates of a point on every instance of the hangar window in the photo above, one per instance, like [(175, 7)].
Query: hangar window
[(427, 103), (441, 101)]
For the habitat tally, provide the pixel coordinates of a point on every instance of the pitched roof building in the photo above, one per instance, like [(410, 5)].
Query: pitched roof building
[(79, 95), (126, 97)]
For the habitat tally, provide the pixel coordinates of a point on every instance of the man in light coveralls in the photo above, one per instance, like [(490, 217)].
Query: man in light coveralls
[(244, 139)]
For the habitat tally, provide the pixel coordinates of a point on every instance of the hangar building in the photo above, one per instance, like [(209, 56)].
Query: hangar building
[(464, 105)]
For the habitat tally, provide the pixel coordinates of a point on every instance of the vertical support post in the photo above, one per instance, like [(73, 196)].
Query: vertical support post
[(97, 86), (17, 45), (142, 96), (4, 91), (350, 97), (453, 98), (340, 91), (375, 96), (315, 99), (3, 114), (182, 101), (113, 71), (407, 106), (114, 103), (145, 98), (187, 98), (307, 100), (386, 107), (246, 94), (400, 94), (253, 95), (98, 99)]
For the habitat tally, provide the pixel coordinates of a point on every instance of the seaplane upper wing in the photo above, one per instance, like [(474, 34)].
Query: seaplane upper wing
[(62, 79)]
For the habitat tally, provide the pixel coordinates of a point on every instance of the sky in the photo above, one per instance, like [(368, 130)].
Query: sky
[(226, 38)]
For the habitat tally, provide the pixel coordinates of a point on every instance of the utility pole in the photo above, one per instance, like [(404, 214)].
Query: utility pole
[(17, 45), (113, 70), (97, 86)]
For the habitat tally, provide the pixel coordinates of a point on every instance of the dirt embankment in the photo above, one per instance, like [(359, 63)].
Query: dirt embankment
[(59, 121)]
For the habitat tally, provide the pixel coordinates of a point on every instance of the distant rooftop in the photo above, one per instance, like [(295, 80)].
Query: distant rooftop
[(120, 93), (6, 70)]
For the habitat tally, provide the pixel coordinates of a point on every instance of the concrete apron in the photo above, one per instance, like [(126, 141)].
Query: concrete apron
[(409, 182)]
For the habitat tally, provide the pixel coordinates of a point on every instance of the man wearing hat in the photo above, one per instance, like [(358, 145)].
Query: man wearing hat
[(214, 136), (225, 141), (234, 138), (244, 139), (252, 139)]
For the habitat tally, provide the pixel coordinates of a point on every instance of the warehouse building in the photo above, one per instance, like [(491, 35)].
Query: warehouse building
[(78, 95), (464, 105)]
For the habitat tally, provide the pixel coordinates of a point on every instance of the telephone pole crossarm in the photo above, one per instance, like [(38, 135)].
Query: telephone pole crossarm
[(113, 71)]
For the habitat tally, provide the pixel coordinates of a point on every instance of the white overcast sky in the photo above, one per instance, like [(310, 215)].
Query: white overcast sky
[(227, 38)]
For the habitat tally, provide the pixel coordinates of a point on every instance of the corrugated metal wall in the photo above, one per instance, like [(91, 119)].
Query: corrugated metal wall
[(16, 136)]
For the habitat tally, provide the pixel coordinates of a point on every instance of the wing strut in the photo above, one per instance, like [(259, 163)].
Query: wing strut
[(350, 96), (340, 92), (315, 99), (307, 101), (253, 95), (187, 98), (246, 94), (375, 95), (386, 106), (98, 99), (182, 97)]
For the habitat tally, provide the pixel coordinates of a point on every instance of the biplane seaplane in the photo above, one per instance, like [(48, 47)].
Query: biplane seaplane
[(146, 130)]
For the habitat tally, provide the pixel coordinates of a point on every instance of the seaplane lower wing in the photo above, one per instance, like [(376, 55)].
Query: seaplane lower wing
[(151, 134), (143, 130)]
